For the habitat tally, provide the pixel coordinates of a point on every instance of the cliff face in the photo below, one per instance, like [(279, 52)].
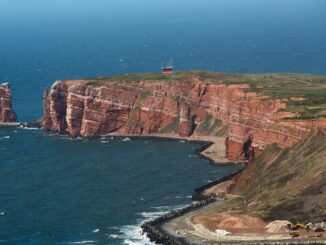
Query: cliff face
[(6, 112), (144, 107)]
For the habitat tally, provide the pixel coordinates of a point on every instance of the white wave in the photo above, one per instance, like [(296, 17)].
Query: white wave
[(152, 215), (104, 141), (126, 139), (180, 197), (132, 235), (182, 141), (96, 230), (82, 242), (115, 236), (192, 155), (29, 128), (2, 213), (5, 137), (169, 208)]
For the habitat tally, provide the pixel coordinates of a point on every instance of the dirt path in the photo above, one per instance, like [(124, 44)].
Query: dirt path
[(199, 227)]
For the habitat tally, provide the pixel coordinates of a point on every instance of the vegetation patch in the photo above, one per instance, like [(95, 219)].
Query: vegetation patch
[(222, 131), (209, 125), (93, 83), (173, 127), (287, 183), (144, 94)]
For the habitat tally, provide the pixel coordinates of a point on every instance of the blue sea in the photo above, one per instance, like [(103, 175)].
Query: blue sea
[(58, 190)]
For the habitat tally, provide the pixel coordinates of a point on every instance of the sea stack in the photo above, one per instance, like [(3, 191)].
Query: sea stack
[(7, 113)]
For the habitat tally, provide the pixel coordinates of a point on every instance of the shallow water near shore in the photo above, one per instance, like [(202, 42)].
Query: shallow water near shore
[(55, 189)]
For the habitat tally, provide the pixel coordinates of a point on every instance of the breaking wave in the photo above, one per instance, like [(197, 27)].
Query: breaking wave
[(132, 234)]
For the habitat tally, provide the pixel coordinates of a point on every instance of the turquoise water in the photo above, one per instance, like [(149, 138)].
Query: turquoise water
[(58, 190)]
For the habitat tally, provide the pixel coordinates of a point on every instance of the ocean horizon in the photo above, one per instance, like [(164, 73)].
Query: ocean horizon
[(45, 41), (61, 190)]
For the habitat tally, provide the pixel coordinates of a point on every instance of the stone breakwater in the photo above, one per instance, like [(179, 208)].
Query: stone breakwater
[(155, 234), (7, 113), (197, 194), (184, 108)]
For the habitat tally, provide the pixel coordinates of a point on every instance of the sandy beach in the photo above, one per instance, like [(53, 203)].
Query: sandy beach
[(215, 152)]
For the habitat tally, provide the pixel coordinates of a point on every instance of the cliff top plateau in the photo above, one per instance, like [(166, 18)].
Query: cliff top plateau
[(305, 93)]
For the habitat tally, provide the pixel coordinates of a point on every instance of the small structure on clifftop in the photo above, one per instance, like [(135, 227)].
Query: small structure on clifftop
[(167, 67)]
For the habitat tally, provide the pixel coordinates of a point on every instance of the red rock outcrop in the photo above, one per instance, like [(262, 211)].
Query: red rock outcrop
[(146, 107), (6, 112)]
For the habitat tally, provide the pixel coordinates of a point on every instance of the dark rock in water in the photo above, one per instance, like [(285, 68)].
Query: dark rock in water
[(34, 124)]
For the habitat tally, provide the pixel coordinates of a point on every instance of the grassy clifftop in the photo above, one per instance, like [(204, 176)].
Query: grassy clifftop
[(312, 88)]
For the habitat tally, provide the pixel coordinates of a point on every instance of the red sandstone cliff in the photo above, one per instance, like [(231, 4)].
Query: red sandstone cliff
[(146, 107), (6, 112)]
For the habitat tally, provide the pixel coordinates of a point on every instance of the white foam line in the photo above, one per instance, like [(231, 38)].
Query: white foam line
[(126, 139), (132, 235), (81, 242), (26, 128)]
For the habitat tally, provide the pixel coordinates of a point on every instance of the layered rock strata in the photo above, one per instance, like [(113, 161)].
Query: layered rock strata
[(86, 109), (7, 113)]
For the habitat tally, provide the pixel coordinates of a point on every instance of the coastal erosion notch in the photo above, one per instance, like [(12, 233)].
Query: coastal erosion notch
[(188, 107)]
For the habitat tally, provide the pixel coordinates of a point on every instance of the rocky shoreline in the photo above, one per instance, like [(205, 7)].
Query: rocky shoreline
[(155, 234), (152, 228)]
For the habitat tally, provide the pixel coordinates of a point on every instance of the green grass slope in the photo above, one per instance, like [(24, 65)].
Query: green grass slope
[(287, 184)]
